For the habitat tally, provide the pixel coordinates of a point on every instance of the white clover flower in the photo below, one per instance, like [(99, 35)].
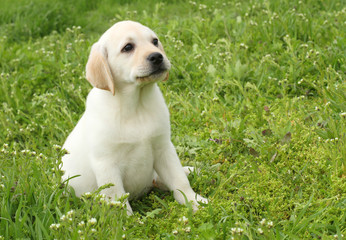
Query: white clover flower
[(102, 196), (263, 221), (187, 229), (184, 219), (92, 221), (93, 230), (140, 222), (270, 224), (175, 232), (87, 194), (81, 224), (260, 231), (237, 230), (56, 147), (243, 45), (70, 213), (55, 226), (115, 203)]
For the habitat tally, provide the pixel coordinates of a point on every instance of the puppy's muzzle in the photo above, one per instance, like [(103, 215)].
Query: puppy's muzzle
[(157, 65), (155, 59)]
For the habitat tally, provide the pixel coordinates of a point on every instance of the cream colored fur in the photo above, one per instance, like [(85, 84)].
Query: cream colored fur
[(124, 135)]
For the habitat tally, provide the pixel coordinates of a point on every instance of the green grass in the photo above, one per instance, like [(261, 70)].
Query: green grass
[(257, 101)]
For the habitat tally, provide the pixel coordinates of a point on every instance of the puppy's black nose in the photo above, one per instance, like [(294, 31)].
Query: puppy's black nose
[(155, 58)]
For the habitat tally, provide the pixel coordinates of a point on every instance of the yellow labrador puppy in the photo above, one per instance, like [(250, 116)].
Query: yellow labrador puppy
[(123, 137)]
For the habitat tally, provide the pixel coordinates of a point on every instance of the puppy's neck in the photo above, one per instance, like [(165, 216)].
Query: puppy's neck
[(132, 98)]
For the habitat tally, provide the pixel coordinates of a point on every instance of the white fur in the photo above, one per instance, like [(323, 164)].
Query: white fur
[(124, 139)]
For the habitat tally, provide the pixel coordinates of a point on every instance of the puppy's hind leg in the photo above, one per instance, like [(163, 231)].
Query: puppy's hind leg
[(158, 183), (188, 170)]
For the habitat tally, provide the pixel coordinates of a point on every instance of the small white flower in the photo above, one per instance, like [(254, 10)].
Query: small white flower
[(56, 147), (63, 217), (184, 219), (102, 196), (92, 221), (270, 224), (87, 194), (263, 221), (243, 45), (70, 213), (80, 232), (93, 230), (187, 229), (81, 224), (336, 236), (115, 203), (54, 226), (175, 232), (260, 231), (237, 230)]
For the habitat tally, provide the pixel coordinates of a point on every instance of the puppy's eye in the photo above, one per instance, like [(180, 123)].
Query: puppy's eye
[(156, 42), (129, 47)]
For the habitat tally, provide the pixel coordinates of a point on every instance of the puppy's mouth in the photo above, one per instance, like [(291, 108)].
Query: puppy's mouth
[(154, 75)]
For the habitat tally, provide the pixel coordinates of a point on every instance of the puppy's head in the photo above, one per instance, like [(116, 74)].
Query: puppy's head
[(127, 53)]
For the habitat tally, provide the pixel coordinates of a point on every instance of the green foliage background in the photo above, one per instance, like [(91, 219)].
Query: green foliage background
[(257, 101)]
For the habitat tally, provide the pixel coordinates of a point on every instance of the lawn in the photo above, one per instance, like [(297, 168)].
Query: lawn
[(257, 97)]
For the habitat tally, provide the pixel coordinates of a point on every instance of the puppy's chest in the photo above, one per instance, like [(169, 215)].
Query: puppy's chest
[(140, 129), (135, 162)]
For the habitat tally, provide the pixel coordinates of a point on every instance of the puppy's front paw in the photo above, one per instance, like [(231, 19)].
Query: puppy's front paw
[(199, 199), (202, 199)]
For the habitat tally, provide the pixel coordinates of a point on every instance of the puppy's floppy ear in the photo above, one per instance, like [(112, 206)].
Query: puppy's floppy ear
[(98, 72), (166, 78)]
